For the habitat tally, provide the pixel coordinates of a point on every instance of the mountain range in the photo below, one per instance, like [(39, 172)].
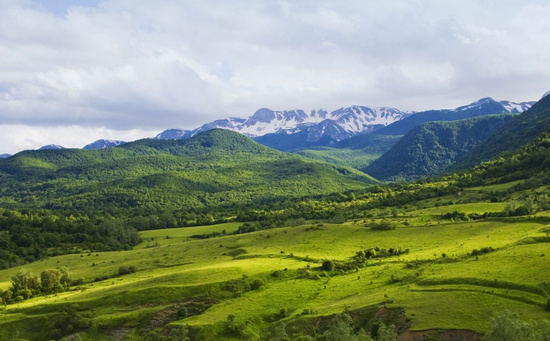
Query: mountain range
[(289, 129), (292, 130)]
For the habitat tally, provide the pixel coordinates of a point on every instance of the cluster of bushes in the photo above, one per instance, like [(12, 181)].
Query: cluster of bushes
[(239, 286), (482, 251), (210, 235), (376, 252), (381, 226), (455, 216), (24, 285)]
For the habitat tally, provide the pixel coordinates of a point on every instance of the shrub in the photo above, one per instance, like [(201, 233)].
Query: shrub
[(482, 251), (256, 284), (124, 270), (327, 266)]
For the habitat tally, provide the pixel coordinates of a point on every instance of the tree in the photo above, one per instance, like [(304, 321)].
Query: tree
[(278, 332), (341, 329), (50, 281), (506, 326), (387, 333)]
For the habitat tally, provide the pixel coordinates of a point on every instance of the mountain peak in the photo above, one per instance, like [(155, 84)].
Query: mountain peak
[(545, 94), (263, 115), (103, 144), (51, 147), (173, 134)]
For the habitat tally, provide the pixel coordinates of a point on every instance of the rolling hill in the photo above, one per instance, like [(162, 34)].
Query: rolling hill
[(214, 169)]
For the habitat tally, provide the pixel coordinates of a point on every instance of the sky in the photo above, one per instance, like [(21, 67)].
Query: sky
[(73, 71)]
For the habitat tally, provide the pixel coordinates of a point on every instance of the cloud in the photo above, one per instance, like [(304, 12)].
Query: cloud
[(127, 65)]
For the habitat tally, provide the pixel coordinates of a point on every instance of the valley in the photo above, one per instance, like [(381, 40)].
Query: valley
[(243, 286)]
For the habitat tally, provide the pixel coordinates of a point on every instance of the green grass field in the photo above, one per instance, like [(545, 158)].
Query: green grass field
[(437, 283), (355, 158)]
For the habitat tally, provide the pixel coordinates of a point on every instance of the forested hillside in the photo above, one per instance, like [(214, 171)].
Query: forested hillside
[(432, 147), (512, 135)]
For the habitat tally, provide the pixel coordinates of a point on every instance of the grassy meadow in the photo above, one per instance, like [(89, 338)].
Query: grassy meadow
[(240, 286)]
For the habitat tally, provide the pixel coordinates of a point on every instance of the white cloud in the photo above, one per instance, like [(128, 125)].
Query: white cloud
[(16, 137), (127, 65)]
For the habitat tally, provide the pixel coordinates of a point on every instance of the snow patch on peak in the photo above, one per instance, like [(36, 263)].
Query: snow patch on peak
[(513, 107)]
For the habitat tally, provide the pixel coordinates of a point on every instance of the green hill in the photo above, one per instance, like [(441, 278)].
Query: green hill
[(432, 147), (512, 135), (212, 170)]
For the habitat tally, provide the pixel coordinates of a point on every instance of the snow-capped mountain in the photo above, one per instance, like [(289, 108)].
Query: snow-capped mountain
[(316, 124), (294, 129), (174, 134), (51, 147), (103, 144), (488, 104)]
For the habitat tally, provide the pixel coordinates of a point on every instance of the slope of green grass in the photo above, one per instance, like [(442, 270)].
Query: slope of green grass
[(438, 283), (355, 158)]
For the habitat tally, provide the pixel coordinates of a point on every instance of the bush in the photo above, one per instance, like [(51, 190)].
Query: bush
[(482, 251), (327, 266), (256, 284), (124, 270)]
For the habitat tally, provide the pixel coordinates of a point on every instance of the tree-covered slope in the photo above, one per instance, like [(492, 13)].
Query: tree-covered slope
[(432, 147), (214, 169), (532, 162), (512, 135)]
